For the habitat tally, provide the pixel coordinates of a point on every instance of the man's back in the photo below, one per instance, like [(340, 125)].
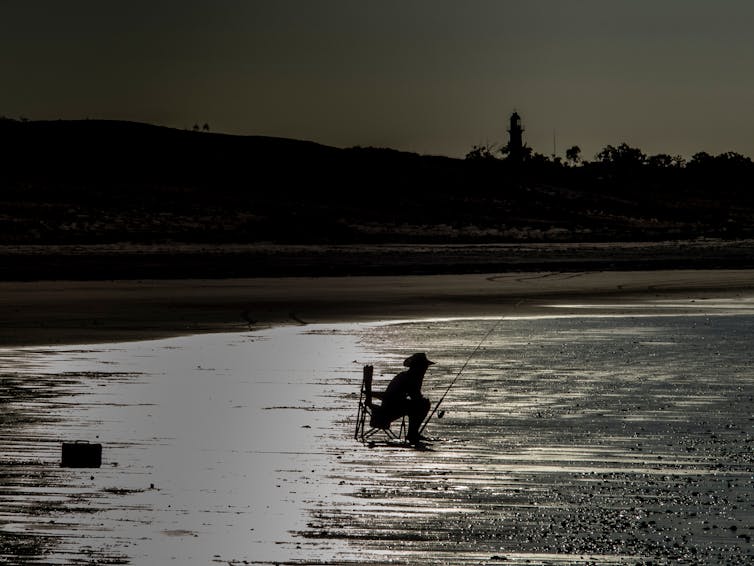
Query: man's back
[(405, 384)]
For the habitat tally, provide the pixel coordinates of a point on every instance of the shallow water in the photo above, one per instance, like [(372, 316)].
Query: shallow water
[(566, 439)]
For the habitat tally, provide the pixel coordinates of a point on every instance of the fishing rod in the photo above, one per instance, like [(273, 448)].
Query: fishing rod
[(426, 422)]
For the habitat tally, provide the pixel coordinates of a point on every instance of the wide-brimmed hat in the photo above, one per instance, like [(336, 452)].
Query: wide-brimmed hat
[(418, 359)]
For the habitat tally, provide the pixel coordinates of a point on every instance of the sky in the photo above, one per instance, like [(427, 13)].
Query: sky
[(429, 76)]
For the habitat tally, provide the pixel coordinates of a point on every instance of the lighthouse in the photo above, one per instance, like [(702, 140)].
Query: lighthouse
[(515, 141)]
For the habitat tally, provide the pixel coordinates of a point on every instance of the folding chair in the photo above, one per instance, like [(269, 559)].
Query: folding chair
[(372, 414)]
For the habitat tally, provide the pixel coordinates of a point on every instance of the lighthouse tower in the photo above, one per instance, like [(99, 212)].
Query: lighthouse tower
[(516, 141)]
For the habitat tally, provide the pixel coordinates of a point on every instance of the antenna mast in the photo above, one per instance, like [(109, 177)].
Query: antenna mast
[(554, 145)]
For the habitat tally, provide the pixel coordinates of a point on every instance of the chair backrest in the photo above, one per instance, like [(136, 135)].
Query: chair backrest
[(367, 385)]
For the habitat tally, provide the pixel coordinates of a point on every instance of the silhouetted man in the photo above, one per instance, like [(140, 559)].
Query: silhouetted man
[(403, 395)]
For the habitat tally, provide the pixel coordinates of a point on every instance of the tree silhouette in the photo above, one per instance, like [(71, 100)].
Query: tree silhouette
[(481, 152), (660, 161), (729, 160), (573, 154), (665, 161), (623, 156)]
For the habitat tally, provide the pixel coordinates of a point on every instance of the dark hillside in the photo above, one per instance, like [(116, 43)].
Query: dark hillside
[(84, 182)]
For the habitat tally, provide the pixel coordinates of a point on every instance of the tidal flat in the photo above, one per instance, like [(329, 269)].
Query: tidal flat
[(570, 437)]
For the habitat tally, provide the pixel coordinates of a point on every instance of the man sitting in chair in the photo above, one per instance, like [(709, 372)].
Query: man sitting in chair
[(403, 395)]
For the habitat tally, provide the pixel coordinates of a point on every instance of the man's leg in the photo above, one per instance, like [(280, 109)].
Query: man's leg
[(418, 412)]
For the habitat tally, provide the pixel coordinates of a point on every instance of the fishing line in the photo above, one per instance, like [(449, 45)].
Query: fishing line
[(426, 422)]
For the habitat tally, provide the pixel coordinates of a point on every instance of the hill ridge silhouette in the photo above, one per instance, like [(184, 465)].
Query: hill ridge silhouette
[(109, 181)]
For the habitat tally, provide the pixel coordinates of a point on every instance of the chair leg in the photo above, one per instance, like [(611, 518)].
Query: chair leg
[(359, 432), (360, 415), (402, 431)]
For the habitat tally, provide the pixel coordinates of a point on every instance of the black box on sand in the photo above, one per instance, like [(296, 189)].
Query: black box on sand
[(81, 454)]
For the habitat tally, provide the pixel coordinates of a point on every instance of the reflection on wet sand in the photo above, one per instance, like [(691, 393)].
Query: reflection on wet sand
[(594, 439), (567, 439)]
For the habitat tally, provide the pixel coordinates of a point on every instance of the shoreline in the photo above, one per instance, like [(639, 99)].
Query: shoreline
[(80, 312), (129, 261)]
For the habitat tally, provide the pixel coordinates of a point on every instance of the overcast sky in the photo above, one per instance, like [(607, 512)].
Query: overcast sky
[(435, 77)]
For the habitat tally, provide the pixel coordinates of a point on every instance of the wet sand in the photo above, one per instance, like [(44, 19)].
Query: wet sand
[(597, 440), (569, 439), (70, 312), (579, 439)]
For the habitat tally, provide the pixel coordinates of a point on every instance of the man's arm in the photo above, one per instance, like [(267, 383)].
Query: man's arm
[(414, 388)]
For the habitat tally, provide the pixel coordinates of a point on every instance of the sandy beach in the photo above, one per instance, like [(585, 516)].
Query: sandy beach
[(606, 420), (70, 312)]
